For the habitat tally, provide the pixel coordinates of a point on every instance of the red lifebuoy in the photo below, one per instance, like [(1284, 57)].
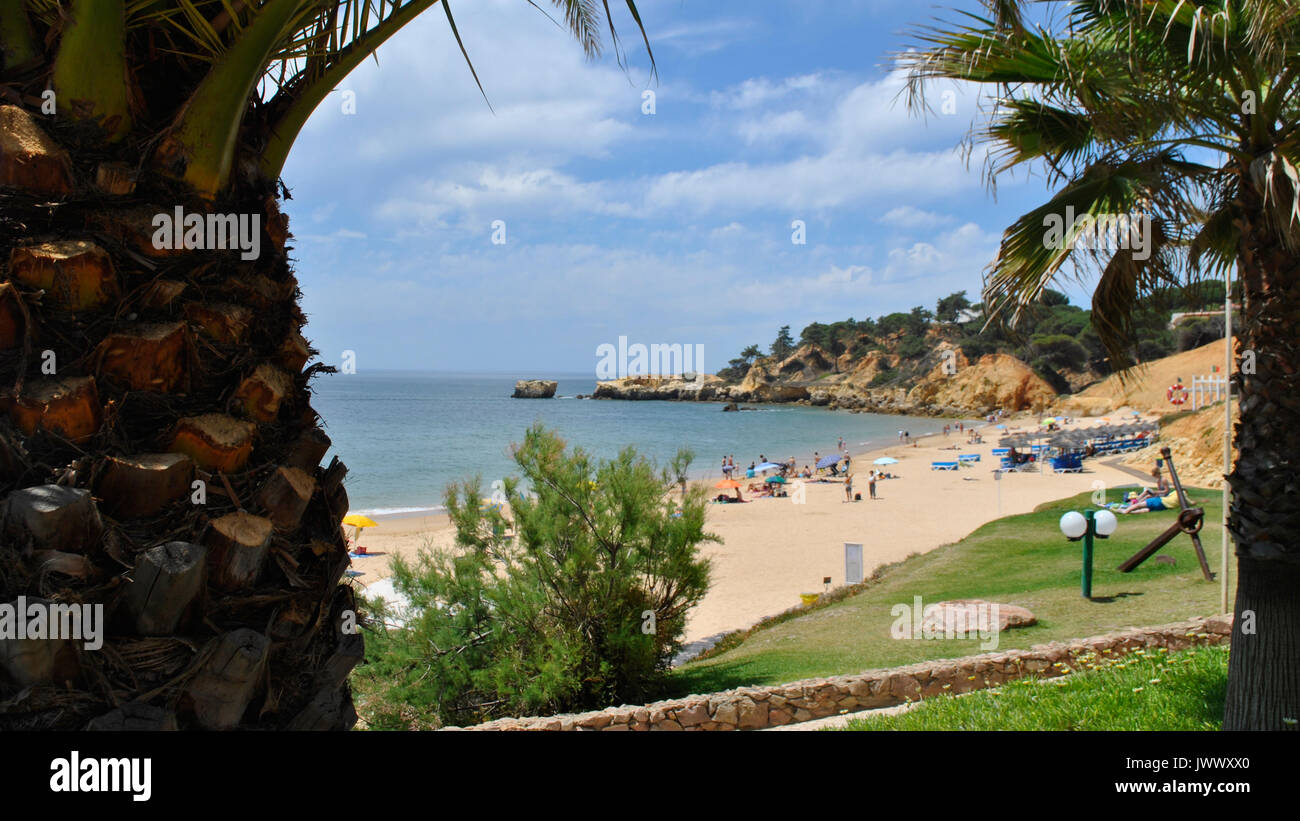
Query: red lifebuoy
[(1176, 393)]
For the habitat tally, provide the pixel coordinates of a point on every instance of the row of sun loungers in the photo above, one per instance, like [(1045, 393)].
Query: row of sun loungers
[(1121, 445), (962, 459), (1070, 462)]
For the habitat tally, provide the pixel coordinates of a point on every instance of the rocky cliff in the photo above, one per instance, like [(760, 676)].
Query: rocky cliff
[(812, 376)]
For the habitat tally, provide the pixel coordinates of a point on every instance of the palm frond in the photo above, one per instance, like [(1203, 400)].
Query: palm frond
[(1155, 190), (1213, 251), (1127, 276)]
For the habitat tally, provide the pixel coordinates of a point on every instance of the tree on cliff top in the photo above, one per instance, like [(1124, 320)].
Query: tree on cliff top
[(783, 346)]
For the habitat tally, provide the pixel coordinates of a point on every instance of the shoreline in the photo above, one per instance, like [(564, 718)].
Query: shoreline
[(773, 550), (711, 472)]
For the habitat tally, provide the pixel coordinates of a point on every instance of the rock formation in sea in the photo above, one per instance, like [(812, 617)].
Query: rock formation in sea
[(534, 389)]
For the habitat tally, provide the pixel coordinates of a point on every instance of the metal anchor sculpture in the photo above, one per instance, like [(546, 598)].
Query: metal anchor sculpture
[(1190, 521)]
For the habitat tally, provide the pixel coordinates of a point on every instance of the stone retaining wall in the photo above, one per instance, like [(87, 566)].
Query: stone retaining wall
[(753, 708)]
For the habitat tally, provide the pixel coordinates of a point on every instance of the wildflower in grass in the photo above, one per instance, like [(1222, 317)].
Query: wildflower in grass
[(1138, 689), (1154, 681)]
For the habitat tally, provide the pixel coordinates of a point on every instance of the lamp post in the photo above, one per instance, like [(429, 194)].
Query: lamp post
[(1086, 525)]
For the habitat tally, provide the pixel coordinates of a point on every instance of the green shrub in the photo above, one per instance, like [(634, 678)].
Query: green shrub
[(583, 605)]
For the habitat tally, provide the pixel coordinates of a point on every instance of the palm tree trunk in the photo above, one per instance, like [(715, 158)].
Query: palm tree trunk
[(159, 456), (1264, 670)]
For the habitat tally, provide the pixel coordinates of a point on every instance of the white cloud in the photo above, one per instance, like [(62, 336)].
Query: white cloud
[(907, 216), (758, 91)]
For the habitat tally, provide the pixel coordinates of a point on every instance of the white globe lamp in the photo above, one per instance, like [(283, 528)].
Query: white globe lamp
[(1073, 525)]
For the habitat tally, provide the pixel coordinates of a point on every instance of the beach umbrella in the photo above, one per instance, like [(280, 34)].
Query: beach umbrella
[(727, 483), (358, 521), (827, 461), (1000, 427), (766, 466), (885, 460), (780, 480)]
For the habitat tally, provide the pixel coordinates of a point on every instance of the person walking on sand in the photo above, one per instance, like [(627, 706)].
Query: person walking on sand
[(848, 487), (871, 484)]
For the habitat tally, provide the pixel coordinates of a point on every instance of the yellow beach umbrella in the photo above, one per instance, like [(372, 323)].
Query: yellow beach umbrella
[(358, 521)]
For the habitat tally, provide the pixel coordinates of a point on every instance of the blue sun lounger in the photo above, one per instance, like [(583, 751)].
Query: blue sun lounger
[(943, 466), (1069, 463), (968, 457)]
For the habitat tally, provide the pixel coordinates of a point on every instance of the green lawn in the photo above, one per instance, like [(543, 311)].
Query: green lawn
[(1022, 560), (1148, 690)]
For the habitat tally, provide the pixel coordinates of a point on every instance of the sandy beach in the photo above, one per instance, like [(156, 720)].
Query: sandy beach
[(773, 550)]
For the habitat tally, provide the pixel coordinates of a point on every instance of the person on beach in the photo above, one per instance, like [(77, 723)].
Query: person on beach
[(848, 487), (871, 484), (726, 468), (806, 473), (1149, 500), (841, 444), (1159, 477)]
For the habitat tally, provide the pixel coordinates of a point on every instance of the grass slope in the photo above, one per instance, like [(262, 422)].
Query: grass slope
[(1148, 690), (1020, 560)]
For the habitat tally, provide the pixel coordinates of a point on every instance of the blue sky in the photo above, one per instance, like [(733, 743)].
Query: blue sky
[(671, 227)]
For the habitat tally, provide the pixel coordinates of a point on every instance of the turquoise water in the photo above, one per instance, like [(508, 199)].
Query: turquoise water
[(405, 435)]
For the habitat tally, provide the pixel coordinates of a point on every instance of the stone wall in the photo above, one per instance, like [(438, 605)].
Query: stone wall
[(753, 708)]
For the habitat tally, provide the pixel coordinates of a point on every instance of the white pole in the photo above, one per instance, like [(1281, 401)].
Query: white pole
[(1227, 436)]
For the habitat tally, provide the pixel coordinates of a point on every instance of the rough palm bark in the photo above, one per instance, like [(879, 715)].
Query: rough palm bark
[(159, 455), (1264, 668), (164, 338)]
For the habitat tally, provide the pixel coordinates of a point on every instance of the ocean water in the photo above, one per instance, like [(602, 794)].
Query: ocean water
[(405, 435)]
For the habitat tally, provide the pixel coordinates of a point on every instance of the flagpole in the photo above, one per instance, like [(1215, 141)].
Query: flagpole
[(1227, 436)]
